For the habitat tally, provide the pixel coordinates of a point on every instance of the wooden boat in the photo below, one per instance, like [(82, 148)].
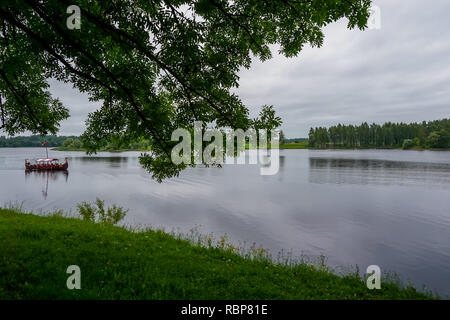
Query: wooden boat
[(45, 165)]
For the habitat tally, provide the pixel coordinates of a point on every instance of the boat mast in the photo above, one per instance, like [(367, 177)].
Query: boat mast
[(46, 150)]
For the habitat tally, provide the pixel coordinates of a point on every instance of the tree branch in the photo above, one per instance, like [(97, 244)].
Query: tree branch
[(75, 45), (233, 19), (50, 50), (118, 34), (2, 110), (21, 99)]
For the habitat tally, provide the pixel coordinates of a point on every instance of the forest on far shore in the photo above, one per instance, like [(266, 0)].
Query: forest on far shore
[(33, 141), (431, 134), (71, 143)]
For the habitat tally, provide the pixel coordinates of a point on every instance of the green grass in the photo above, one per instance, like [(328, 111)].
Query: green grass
[(102, 149), (117, 263), (289, 145), (68, 149), (295, 145)]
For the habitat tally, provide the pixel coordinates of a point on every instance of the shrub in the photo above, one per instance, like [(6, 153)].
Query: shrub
[(68, 142), (408, 144), (77, 144), (438, 139), (111, 215)]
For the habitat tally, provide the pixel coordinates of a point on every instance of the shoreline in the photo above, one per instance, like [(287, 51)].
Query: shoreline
[(281, 147), (84, 150), (124, 263)]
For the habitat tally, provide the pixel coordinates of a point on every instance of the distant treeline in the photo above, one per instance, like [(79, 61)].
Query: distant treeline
[(32, 141), (114, 143), (432, 134), (69, 143)]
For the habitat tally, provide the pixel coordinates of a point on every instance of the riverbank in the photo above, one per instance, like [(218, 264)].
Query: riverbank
[(299, 145), (101, 150), (117, 263), (379, 148), (294, 145)]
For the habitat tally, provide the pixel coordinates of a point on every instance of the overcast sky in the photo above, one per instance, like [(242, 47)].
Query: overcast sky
[(400, 72)]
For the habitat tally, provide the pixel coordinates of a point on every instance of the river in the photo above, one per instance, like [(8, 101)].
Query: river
[(390, 208)]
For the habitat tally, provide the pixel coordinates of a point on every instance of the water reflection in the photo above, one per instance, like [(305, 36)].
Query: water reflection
[(375, 164), (374, 171), (45, 177), (113, 162), (280, 174)]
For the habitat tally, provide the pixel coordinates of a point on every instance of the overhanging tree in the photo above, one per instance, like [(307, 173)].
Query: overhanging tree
[(156, 65)]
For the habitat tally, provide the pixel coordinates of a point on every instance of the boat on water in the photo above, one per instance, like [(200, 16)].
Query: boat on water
[(45, 165)]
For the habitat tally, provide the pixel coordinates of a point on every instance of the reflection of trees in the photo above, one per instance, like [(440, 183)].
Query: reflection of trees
[(47, 176), (374, 164), (112, 161), (376, 171)]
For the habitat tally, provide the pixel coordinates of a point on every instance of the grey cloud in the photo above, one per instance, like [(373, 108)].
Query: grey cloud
[(398, 73), (78, 104)]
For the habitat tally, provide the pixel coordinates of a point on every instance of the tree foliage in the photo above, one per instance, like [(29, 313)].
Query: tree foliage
[(408, 144), (156, 65), (33, 141), (439, 139), (432, 134)]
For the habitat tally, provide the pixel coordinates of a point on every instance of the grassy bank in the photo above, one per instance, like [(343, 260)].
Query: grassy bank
[(68, 149), (101, 150), (117, 263), (377, 148), (290, 145), (295, 145)]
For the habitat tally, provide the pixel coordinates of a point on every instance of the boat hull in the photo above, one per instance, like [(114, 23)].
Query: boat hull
[(46, 167)]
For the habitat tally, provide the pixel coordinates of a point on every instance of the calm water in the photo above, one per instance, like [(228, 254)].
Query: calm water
[(389, 208)]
